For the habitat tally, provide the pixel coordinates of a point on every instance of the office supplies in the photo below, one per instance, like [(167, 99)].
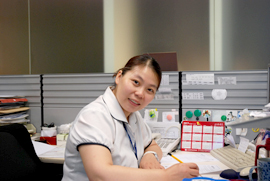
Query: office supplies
[(14, 110), (234, 158), (175, 157), (245, 171), (13, 100), (166, 144), (202, 179), (263, 169), (258, 147), (229, 174), (202, 136)]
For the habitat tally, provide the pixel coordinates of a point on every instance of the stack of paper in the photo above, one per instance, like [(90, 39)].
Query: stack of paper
[(13, 109)]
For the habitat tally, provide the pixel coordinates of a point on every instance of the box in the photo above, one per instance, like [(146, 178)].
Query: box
[(49, 140), (62, 139)]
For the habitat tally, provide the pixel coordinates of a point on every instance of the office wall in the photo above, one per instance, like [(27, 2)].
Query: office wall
[(245, 34), (66, 36), (14, 55), (150, 26), (139, 26)]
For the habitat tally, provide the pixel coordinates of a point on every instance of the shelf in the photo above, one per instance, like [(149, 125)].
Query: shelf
[(250, 123)]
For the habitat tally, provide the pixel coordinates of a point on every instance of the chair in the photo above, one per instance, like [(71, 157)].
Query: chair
[(18, 159)]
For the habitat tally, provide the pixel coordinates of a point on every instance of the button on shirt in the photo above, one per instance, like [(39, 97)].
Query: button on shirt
[(102, 123)]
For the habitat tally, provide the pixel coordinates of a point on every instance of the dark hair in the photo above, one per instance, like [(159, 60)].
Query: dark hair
[(145, 60)]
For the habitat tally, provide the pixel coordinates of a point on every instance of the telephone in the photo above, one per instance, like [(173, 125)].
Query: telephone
[(166, 144)]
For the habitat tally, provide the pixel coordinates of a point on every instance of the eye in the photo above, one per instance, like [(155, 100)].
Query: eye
[(136, 82), (151, 90)]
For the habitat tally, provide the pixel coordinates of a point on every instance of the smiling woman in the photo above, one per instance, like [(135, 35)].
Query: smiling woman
[(137, 83), (109, 139)]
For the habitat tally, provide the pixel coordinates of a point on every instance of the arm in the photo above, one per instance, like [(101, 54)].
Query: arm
[(98, 165), (149, 161)]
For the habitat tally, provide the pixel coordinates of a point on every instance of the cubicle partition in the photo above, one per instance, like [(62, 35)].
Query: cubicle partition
[(58, 98), (28, 86), (224, 93), (64, 95)]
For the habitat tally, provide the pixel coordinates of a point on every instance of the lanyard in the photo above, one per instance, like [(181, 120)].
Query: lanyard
[(133, 147)]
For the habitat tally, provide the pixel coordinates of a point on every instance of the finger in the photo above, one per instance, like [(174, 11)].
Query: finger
[(162, 167), (193, 166), (194, 172)]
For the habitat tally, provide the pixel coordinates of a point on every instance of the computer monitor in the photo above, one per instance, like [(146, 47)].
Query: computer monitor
[(166, 60)]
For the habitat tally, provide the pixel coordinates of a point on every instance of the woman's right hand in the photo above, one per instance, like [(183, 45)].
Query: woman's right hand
[(182, 170)]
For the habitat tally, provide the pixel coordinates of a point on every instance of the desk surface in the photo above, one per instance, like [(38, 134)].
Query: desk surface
[(217, 163), (57, 156)]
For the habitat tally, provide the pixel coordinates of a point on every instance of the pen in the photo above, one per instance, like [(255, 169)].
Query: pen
[(178, 160), (175, 157)]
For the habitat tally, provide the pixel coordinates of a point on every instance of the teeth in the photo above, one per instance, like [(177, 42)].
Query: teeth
[(134, 101)]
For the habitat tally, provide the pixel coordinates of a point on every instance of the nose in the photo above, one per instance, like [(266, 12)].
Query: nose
[(140, 92)]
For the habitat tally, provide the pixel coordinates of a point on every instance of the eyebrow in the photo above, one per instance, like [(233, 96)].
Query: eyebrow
[(151, 85)]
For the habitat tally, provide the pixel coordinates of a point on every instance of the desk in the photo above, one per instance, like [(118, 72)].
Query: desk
[(218, 163), (50, 153), (52, 160), (56, 155)]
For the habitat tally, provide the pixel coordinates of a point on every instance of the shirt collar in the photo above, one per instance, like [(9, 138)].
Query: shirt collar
[(114, 106)]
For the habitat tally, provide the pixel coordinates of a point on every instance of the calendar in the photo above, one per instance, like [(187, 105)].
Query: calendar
[(202, 136)]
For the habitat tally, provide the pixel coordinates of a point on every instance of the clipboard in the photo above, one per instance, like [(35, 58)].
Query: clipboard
[(202, 136)]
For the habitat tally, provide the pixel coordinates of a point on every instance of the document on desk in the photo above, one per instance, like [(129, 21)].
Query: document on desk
[(42, 148), (168, 161), (45, 150)]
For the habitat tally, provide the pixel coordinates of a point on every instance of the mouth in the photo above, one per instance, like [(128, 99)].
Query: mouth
[(134, 102)]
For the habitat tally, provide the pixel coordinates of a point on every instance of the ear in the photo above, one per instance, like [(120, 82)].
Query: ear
[(118, 76)]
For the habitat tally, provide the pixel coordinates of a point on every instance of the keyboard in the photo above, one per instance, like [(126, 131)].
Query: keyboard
[(234, 158)]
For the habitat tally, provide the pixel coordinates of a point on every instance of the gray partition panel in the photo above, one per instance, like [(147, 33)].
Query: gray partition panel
[(24, 85), (250, 91), (65, 94)]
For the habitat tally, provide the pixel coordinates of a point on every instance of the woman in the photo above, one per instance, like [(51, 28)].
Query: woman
[(109, 139)]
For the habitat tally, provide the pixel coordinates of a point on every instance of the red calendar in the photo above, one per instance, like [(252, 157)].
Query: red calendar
[(202, 136)]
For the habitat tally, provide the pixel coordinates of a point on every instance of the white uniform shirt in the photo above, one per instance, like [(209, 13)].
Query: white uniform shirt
[(102, 123)]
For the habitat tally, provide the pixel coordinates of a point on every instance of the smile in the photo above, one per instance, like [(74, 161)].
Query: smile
[(134, 102)]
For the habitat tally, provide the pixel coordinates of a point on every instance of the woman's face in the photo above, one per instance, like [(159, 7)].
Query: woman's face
[(136, 89)]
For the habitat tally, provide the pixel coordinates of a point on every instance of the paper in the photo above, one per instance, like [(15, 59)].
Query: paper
[(41, 148), (209, 168), (168, 161), (57, 152), (192, 96), (243, 144), (200, 79), (165, 80), (186, 158), (230, 140), (226, 80)]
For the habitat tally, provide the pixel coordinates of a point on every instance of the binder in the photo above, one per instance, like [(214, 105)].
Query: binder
[(14, 100), (8, 111)]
